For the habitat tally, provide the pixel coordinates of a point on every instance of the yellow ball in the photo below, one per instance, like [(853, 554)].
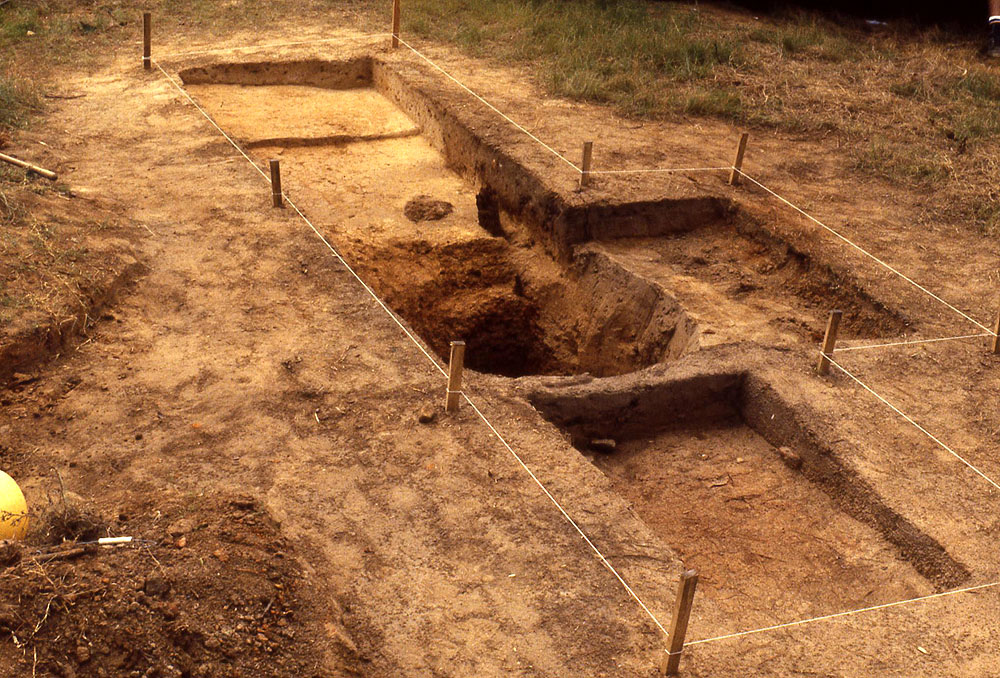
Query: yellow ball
[(13, 509)]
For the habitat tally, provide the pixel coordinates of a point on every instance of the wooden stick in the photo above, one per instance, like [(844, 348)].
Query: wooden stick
[(734, 176), (455, 366), (147, 33), (276, 183), (588, 155), (395, 23), (678, 627), (62, 555), (996, 336), (829, 341), (48, 174)]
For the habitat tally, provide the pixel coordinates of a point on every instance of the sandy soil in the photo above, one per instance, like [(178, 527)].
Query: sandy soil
[(769, 542), (248, 361)]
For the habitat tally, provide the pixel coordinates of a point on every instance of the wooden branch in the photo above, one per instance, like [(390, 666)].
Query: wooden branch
[(48, 174)]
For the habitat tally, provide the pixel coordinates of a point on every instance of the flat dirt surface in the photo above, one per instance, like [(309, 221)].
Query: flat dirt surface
[(280, 445), (768, 542)]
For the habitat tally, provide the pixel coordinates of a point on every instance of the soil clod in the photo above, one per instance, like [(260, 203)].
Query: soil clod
[(426, 208)]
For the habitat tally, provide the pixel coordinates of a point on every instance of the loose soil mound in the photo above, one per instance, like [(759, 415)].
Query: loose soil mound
[(212, 591)]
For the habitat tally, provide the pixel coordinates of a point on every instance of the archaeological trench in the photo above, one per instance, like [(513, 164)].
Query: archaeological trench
[(614, 318)]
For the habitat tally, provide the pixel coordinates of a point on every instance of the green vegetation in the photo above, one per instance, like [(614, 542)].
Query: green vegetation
[(17, 99), (18, 22), (902, 164), (646, 59), (918, 111), (630, 54)]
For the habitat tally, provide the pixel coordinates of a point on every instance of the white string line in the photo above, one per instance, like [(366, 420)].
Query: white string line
[(910, 343), (661, 169), (209, 118), (456, 81), (489, 105), (542, 143), (597, 551), (223, 50), (915, 424), (843, 614), (434, 362), (572, 522), (866, 252), (299, 212)]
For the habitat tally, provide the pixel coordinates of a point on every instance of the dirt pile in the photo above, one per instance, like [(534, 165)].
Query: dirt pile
[(206, 591), (426, 208)]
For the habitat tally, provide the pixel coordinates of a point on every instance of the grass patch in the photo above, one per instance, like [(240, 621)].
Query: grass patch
[(980, 84), (17, 98), (647, 59), (625, 53), (911, 89), (18, 22), (902, 164), (804, 36), (717, 103)]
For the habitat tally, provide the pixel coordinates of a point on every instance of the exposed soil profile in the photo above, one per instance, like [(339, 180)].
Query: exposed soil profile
[(521, 307), (777, 527), (310, 509), (765, 538), (518, 311)]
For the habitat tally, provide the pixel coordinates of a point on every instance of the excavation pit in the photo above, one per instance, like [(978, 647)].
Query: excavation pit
[(777, 526), (511, 268), (738, 278), (360, 163)]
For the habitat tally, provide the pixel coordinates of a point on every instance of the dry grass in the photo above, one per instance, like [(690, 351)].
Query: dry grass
[(916, 107)]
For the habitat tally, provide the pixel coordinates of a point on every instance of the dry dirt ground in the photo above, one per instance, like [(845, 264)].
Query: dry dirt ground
[(308, 508)]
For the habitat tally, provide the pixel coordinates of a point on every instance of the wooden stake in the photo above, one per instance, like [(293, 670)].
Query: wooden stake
[(734, 176), (588, 155), (147, 34), (996, 336), (455, 366), (276, 183), (395, 23), (829, 341), (48, 174), (678, 627)]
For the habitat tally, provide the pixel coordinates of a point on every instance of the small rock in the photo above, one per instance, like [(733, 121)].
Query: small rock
[(220, 555), (427, 416), (606, 445), (181, 543), (790, 457), (739, 460)]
